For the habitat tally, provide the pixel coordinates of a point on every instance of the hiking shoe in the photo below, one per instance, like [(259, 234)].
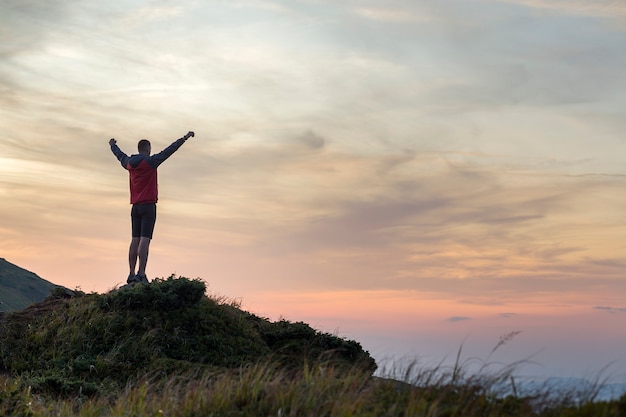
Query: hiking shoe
[(141, 279), (132, 279)]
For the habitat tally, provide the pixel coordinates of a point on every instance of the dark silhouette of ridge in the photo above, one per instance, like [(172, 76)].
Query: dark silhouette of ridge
[(20, 288)]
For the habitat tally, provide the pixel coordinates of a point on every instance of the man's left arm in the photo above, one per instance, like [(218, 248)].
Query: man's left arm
[(158, 158)]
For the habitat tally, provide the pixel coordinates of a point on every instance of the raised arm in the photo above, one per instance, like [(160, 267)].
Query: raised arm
[(158, 158), (121, 156)]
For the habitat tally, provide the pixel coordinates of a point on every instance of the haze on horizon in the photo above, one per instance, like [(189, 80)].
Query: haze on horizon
[(415, 175)]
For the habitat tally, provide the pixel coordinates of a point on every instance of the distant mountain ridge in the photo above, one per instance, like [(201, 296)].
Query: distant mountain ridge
[(20, 288)]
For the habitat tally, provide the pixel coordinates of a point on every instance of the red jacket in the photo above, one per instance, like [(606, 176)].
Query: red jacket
[(142, 170)]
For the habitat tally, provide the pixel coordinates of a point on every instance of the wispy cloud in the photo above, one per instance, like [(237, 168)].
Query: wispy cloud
[(149, 15), (391, 15), (610, 309), (507, 315), (456, 319), (599, 8)]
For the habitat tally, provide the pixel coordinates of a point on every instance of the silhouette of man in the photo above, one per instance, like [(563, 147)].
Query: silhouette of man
[(142, 170)]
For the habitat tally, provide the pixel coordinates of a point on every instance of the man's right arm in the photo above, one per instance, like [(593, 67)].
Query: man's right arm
[(121, 156)]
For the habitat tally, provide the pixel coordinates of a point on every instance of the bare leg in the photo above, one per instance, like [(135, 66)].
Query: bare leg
[(133, 253), (142, 251)]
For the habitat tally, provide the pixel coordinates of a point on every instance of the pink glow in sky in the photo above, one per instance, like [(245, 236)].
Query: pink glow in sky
[(414, 175)]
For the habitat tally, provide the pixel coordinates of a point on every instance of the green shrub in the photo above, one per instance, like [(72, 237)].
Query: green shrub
[(161, 295)]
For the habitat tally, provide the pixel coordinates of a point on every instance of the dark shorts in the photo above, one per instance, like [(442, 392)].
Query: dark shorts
[(143, 218)]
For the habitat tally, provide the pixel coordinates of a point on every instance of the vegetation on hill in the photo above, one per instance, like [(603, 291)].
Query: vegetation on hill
[(20, 288), (93, 343), (168, 349)]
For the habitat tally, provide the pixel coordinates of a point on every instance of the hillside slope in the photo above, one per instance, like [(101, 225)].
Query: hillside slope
[(20, 288), (92, 341)]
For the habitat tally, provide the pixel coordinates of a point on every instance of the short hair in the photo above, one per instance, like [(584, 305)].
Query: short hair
[(143, 146)]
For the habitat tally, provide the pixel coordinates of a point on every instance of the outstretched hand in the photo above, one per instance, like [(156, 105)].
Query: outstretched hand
[(112, 142), (189, 134)]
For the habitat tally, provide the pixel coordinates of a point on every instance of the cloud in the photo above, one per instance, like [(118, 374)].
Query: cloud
[(610, 309), (312, 140), (602, 8), (415, 237), (507, 315), (148, 15), (423, 205), (25, 24), (530, 62), (455, 319), (391, 15)]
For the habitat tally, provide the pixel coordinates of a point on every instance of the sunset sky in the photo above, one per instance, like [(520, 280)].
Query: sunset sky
[(415, 175)]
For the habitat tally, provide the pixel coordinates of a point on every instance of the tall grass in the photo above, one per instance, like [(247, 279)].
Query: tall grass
[(317, 389)]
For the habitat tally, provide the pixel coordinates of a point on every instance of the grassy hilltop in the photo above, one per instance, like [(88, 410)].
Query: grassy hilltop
[(168, 349), (94, 342)]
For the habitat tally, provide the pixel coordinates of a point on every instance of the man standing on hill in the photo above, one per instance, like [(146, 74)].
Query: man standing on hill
[(142, 170)]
